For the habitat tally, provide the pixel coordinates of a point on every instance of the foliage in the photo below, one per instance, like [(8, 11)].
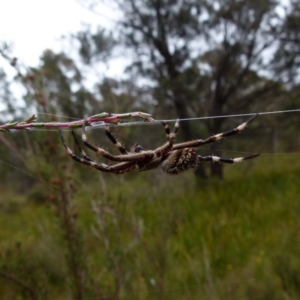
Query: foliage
[(94, 46), (288, 54), (171, 238), (69, 232), (203, 58)]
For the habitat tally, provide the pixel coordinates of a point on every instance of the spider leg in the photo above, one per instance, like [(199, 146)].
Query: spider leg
[(224, 159), (181, 160), (137, 157), (162, 152), (168, 146), (119, 168), (116, 143), (83, 154), (167, 128), (132, 157), (213, 138), (123, 150)]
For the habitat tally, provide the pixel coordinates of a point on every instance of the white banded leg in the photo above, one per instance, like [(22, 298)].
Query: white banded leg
[(225, 159)]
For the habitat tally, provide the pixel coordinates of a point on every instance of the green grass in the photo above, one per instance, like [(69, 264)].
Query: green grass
[(170, 237)]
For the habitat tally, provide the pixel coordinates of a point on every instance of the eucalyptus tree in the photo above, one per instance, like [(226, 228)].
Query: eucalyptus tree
[(287, 58), (201, 57)]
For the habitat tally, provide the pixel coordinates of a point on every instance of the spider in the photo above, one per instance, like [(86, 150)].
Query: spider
[(172, 158)]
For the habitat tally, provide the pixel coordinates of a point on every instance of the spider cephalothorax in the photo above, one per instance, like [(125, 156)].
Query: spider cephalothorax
[(173, 158)]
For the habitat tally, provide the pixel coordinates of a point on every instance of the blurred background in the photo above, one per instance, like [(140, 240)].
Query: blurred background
[(219, 232)]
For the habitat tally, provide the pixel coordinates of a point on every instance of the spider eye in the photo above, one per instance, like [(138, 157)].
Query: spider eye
[(138, 148)]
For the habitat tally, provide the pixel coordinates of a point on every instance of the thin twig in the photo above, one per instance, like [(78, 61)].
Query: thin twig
[(104, 118), (19, 283)]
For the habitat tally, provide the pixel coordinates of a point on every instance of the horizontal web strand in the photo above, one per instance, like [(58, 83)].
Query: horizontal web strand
[(136, 123), (117, 120)]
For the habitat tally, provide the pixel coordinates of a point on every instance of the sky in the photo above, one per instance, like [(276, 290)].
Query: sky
[(35, 25)]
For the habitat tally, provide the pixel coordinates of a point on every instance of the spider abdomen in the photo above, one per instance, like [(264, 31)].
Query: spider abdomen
[(180, 160)]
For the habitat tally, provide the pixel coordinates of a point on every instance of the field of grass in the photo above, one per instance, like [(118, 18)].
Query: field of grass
[(154, 236)]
